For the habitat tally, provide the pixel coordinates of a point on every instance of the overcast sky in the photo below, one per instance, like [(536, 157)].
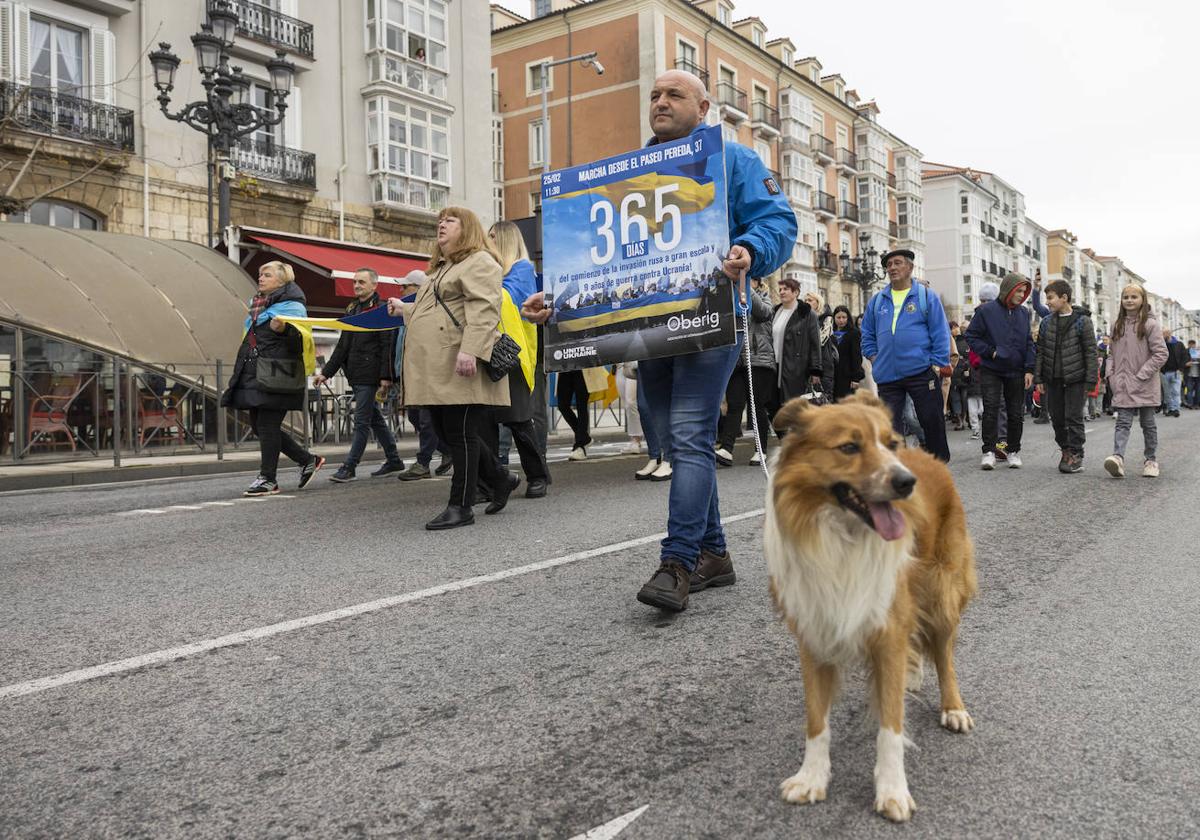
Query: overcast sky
[(1088, 108)]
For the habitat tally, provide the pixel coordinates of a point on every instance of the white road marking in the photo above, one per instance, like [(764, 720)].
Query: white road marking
[(202, 505), (216, 504), (140, 511), (185, 507), (242, 637), (611, 828)]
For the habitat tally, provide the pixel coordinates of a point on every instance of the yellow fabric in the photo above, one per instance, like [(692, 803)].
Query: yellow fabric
[(520, 331), (688, 195), (304, 327), (897, 301), (326, 323), (601, 385)]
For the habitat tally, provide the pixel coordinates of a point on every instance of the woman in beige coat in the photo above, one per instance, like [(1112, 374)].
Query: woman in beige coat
[(450, 330)]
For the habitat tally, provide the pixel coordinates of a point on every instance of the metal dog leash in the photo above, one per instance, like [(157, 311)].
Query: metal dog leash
[(762, 456)]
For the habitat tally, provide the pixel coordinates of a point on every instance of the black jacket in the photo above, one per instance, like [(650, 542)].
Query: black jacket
[(1074, 342), (243, 390), (1177, 356), (366, 357), (849, 366), (801, 356)]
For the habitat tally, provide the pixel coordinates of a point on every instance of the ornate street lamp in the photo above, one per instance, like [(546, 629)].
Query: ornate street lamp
[(862, 270), (225, 114)]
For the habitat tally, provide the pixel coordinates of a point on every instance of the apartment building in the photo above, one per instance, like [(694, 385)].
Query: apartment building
[(852, 183), (975, 231), (379, 131)]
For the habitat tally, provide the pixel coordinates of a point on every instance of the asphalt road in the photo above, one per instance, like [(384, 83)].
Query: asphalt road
[(546, 701)]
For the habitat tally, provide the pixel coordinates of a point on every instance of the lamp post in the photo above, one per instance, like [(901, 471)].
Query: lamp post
[(586, 59), (225, 114), (862, 270)]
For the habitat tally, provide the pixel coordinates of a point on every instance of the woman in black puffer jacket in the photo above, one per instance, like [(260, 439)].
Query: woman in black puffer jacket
[(279, 349), (848, 371)]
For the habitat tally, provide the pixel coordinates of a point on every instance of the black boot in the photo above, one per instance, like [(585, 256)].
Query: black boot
[(500, 494), (452, 517)]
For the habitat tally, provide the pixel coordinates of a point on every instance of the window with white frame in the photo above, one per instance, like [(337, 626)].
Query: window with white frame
[(533, 78), (58, 214), (787, 56), (535, 201), (497, 203), (964, 202), (408, 153), (966, 249), (968, 292), (537, 142), (758, 38), (722, 15), (686, 53), (58, 56), (497, 150), (407, 43), (763, 150)]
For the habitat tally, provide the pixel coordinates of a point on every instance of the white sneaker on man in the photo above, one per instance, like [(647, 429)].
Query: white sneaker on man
[(578, 454), (989, 461), (1114, 465), (756, 459), (724, 457), (1150, 469), (663, 473), (645, 472), (1014, 461)]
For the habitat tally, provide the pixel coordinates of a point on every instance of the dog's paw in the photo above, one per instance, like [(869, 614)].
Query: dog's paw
[(957, 720), (897, 806), (806, 787)]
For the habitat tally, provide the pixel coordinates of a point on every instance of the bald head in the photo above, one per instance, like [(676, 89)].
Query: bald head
[(678, 103)]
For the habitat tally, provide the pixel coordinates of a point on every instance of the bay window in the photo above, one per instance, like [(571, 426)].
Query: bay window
[(408, 153)]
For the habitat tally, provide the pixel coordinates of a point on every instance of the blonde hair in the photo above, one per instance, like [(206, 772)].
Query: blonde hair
[(471, 241), (509, 243), (1142, 314), (280, 269)]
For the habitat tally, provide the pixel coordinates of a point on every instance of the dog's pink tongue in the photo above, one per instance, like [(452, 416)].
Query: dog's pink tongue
[(889, 522)]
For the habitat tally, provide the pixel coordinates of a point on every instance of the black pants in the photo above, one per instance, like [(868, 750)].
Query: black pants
[(541, 430), (926, 392), (1010, 390), (572, 389), (458, 426), (1064, 403), (272, 439), (737, 397), (524, 435)]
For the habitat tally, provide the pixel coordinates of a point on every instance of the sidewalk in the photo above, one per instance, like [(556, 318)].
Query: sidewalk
[(15, 477)]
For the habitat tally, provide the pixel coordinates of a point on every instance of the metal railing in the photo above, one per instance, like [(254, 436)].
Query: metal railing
[(48, 111), (731, 96), (848, 159), (848, 210), (893, 230), (693, 68), (823, 202), (764, 114), (824, 260), (891, 180), (262, 23), (821, 145), (275, 163)]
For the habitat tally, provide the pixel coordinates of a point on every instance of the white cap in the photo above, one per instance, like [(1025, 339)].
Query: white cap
[(416, 277)]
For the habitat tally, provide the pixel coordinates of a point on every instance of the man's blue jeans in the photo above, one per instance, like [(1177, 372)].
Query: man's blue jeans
[(1172, 381), (1193, 384), (684, 393), (368, 418)]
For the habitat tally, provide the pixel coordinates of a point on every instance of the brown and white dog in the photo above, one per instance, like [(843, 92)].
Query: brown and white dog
[(869, 558)]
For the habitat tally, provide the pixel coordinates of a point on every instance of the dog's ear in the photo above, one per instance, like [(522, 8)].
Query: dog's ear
[(866, 398), (794, 415)]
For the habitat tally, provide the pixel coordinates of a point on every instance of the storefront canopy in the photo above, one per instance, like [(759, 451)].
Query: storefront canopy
[(325, 267), (154, 301)]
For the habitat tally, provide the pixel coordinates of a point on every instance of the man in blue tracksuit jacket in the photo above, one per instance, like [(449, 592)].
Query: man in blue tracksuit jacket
[(907, 338), (1000, 335), (684, 392)]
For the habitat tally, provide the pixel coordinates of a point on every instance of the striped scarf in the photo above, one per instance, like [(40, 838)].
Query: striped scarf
[(258, 305)]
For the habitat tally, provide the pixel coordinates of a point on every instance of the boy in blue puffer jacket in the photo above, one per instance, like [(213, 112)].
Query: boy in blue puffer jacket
[(1000, 335)]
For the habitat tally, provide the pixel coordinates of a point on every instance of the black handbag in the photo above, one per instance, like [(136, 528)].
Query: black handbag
[(506, 353), (280, 376)]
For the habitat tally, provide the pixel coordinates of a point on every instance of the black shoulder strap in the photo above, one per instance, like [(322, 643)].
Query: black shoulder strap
[(442, 303)]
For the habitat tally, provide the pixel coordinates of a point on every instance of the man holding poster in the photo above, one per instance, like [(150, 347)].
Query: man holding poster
[(686, 390)]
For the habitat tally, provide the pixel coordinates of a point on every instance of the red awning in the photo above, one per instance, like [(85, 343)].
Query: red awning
[(341, 261)]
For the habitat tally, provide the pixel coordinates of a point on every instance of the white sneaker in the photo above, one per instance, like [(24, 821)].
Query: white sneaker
[(989, 461), (724, 457), (756, 459), (663, 473), (1150, 469), (1014, 461), (1114, 465), (578, 454), (648, 470)]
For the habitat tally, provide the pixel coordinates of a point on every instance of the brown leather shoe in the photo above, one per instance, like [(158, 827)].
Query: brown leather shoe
[(668, 588), (712, 570)]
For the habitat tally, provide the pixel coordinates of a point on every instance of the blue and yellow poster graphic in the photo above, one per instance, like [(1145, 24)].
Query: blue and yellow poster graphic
[(632, 248)]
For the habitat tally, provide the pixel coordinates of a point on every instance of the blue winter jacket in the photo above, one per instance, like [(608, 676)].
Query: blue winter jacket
[(760, 217), (922, 339), (1002, 339)]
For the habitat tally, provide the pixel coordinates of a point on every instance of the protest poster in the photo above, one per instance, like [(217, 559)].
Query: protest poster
[(632, 248)]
